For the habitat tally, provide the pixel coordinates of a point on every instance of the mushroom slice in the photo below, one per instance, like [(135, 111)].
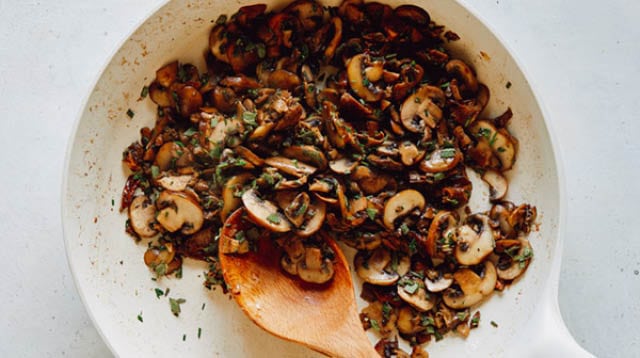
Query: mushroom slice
[(315, 268), (290, 166), (175, 183), (167, 156), (232, 235), (162, 259), (314, 218), (385, 162), (500, 215), (217, 42), (401, 204), (264, 212), (231, 193), (179, 211), (409, 322), (372, 267), (441, 160), (498, 184), (522, 217), (364, 240), (411, 290), (518, 261), (223, 128), (368, 180), (297, 209), (438, 285), (502, 144), (360, 85), (343, 165), (142, 216), (464, 72), (381, 313), (474, 288), (474, 241), (409, 153), (308, 154), (440, 235), (421, 110), (246, 154), (294, 253)]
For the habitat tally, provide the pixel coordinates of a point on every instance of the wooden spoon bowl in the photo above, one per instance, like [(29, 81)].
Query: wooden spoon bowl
[(321, 317)]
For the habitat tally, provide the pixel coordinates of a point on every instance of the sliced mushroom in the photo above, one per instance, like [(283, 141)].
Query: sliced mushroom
[(314, 218), (369, 180), (142, 216), (377, 267), (409, 153), (290, 166), (440, 235), (368, 241), (502, 144), (264, 212), (246, 154), (474, 240), (297, 209), (362, 86), (473, 287), (411, 290), (231, 193), (522, 217), (409, 322), (343, 165), (167, 74), (401, 204), (498, 184), (224, 127), (464, 73), (217, 43), (384, 162), (436, 281), (167, 156), (441, 160), (308, 154), (516, 264), (314, 268), (376, 312), (422, 109), (175, 182), (309, 13), (179, 211), (162, 259), (233, 239), (500, 215), (294, 253)]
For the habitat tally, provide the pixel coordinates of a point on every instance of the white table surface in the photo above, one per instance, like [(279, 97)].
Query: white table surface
[(583, 57)]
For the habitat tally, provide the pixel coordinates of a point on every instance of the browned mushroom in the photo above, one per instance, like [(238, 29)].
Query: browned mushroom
[(422, 109), (142, 218), (178, 210), (264, 212)]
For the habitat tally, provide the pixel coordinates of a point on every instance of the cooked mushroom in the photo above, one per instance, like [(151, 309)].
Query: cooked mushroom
[(231, 193), (175, 182), (297, 209), (422, 109), (290, 166), (294, 253), (441, 160), (233, 239), (162, 259), (440, 235), (474, 240), (522, 217), (502, 144), (179, 211), (309, 13), (264, 212), (343, 165), (409, 153), (167, 156), (409, 322), (517, 262), (498, 184), (439, 284), (364, 240), (142, 216), (307, 154), (361, 85), (401, 204), (217, 43), (314, 268), (473, 287), (464, 73), (382, 314), (411, 290), (376, 267), (370, 181)]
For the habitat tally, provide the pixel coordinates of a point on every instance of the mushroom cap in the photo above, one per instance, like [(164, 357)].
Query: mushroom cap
[(142, 216), (373, 269), (473, 247), (264, 212), (474, 288), (401, 204), (179, 211)]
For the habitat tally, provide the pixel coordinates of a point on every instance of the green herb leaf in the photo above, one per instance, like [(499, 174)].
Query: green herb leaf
[(189, 132), (199, 332), (404, 229), (374, 324), (249, 118), (371, 212), (494, 324), (145, 92), (155, 171), (273, 218), (130, 113), (159, 292), (438, 176), (448, 153), (410, 286), (262, 51), (175, 305), (140, 317), (484, 132)]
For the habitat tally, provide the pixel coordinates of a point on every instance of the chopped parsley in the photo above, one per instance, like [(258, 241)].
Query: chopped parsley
[(371, 212), (175, 305), (374, 324), (404, 229), (130, 113), (189, 132), (273, 218), (155, 171), (494, 324), (447, 153), (199, 332), (140, 317), (159, 292), (249, 118), (145, 92)]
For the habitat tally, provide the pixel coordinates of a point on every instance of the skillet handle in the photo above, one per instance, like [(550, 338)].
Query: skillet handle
[(549, 336)]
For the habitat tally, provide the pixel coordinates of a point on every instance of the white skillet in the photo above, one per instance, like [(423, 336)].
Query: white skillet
[(116, 286)]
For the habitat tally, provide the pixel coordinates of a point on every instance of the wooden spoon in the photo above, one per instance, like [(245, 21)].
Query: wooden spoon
[(321, 317)]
